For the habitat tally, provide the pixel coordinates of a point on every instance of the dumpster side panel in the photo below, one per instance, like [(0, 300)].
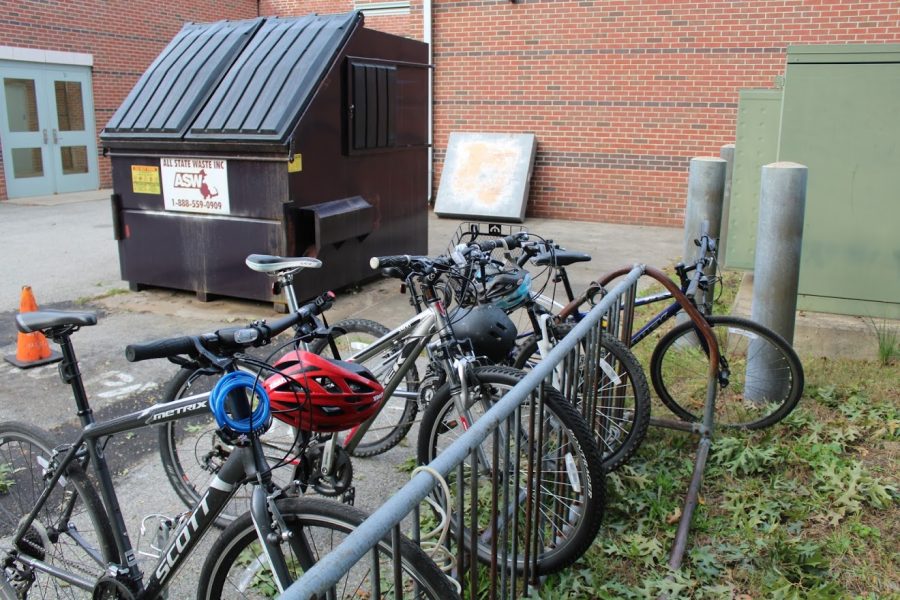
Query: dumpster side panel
[(202, 254), (392, 179)]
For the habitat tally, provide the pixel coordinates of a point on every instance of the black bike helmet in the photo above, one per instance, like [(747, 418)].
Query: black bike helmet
[(487, 328)]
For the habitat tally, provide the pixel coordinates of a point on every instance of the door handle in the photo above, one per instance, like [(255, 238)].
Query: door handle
[(55, 136), (45, 136)]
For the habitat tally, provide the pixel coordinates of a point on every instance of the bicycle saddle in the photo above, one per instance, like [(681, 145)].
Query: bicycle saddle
[(47, 319), (265, 263)]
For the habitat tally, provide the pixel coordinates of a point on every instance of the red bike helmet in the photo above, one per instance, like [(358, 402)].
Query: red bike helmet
[(321, 394)]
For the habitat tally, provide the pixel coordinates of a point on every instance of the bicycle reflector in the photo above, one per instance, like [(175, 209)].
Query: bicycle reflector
[(230, 385)]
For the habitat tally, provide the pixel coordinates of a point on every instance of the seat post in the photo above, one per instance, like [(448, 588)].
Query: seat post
[(287, 288), (70, 375)]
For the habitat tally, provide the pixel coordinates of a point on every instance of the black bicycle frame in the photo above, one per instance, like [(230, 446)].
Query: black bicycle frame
[(242, 465)]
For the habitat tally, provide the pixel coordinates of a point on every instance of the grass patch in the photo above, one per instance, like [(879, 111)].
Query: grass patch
[(805, 509), (107, 294), (888, 343)]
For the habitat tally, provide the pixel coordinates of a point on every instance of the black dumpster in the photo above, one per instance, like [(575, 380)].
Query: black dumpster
[(299, 136)]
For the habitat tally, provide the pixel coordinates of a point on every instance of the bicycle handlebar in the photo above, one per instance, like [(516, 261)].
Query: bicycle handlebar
[(508, 242), (405, 262), (386, 262), (224, 341), (160, 349)]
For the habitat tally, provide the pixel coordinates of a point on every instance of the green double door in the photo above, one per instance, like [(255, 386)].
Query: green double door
[(47, 129)]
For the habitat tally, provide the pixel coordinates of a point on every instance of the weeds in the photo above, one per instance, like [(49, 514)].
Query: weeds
[(6, 477), (82, 300), (809, 508), (888, 343)]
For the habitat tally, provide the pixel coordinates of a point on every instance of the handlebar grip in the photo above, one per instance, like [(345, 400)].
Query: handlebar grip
[(508, 242), (160, 349), (384, 262)]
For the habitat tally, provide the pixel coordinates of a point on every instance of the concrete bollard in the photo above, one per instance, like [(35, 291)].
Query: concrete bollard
[(727, 154), (776, 272), (706, 185)]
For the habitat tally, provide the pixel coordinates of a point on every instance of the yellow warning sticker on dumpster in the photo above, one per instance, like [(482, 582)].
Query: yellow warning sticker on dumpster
[(145, 179)]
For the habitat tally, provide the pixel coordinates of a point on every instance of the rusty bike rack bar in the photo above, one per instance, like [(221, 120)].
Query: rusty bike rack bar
[(705, 428)]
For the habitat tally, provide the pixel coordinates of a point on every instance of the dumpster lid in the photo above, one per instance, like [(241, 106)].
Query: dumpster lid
[(232, 81)]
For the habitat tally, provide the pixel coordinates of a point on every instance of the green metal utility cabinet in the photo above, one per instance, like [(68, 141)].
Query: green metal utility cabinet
[(840, 116)]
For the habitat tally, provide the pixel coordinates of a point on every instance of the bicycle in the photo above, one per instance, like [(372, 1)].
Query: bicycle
[(392, 359), (760, 378), (458, 388), (611, 392), (60, 538), (192, 451)]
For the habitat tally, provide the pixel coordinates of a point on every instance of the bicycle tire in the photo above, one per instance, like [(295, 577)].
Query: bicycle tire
[(235, 566), (621, 418), (24, 453), (679, 371), (566, 433), (398, 414), (192, 452)]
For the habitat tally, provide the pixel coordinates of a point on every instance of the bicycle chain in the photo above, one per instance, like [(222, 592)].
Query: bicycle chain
[(37, 548)]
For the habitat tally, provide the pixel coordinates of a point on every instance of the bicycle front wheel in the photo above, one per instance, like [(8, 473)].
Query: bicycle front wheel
[(237, 568), (398, 413), (760, 377), (549, 443), (71, 532), (192, 451), (612, 394)]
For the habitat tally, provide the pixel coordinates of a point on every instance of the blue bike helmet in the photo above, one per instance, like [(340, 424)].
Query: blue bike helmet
[(506, 288)]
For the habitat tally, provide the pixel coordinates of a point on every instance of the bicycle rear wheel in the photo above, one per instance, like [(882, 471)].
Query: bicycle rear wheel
[(71, 531), (613, 396), (192, 451), (237, 568), (568, 493), (398, 414), (760, 376)]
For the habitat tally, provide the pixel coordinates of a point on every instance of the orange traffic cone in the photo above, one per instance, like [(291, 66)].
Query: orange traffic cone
[(32, 349)]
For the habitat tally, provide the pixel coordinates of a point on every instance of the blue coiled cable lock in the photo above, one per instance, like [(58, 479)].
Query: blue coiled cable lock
[(258, 420)]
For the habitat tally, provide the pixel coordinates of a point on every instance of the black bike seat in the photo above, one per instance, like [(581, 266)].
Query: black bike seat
[(265, 263), (563, 258), (47, 319)]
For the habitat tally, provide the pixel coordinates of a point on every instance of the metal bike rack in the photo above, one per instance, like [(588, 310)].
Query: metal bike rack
[(484, 437), (620, 324)]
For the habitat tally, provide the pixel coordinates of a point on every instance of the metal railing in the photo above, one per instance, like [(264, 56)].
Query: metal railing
[(497, 524)]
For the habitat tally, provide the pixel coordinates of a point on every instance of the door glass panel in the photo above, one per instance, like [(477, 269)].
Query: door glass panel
[(27, 162), (21, 104), (74, 159), (69, 106)]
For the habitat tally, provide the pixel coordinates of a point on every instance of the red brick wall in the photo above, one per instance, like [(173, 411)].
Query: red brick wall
[(409, 25), (124, 38), (620, 94)]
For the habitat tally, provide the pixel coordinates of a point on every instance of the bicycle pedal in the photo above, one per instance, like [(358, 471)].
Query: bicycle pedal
[(349, 497)]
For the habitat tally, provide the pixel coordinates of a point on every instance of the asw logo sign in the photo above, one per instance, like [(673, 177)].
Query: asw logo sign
[(195, 184)]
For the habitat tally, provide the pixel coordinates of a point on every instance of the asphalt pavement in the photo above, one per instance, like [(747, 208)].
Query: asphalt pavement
[(62, 246)]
